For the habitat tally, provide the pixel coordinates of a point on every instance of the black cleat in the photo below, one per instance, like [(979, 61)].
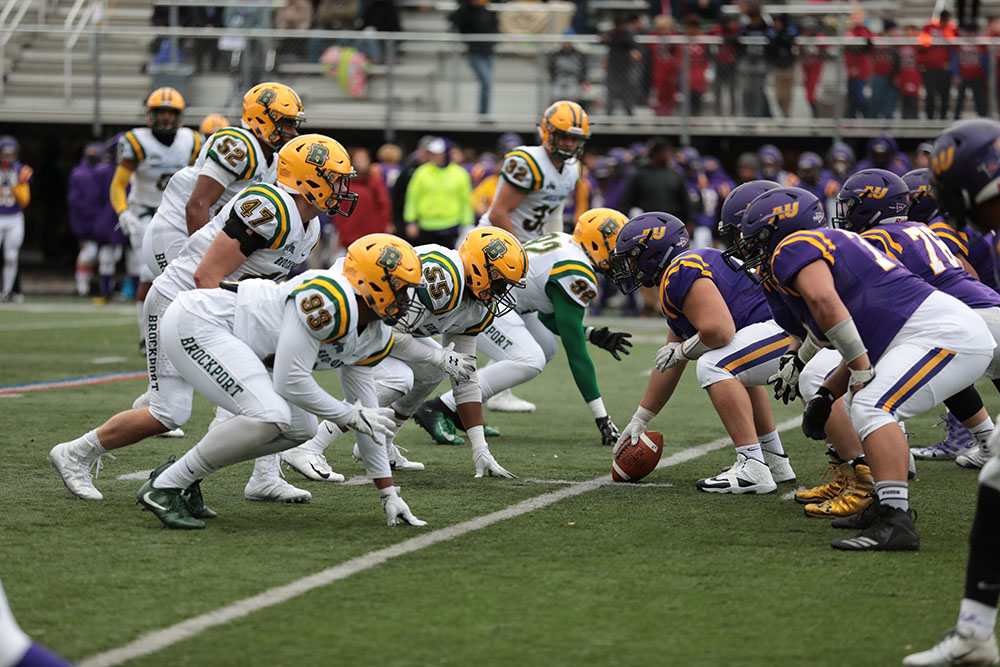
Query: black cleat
[(892, 530)]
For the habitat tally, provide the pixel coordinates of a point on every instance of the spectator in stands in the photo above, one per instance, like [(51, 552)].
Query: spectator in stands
[(85, 199), (379, 16), (909, 76), (970, 64), (698, 62), (252, 50), (811, 56), (935, 61), (885, 67), (967, 21), (438, 199), (293, 15), (623, 56), (666, 65), (752, 65), (472, 17), (373, 212), (781, 55), (858, 62), (389, 158), (724, 56), (333, 15), (568, 73)]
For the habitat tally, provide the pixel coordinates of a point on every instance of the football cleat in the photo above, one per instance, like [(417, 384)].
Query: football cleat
[(855, 497), (891, 529), (957, 647), (958, 441), (780, 467), (75, 470), (169, 505), (747, 475), (841, 472), (196, 502), (266, 484), (174, 433), (437, 425), (310, 465), (506, 401), (973, 459), (399, 462)]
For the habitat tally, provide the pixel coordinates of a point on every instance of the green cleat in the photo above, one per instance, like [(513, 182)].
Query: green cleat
[(196, 502), (491, 431), (439, 426), (169, 505)]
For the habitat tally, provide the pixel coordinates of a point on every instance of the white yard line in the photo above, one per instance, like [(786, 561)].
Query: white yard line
[(161, 639), (115, 322)]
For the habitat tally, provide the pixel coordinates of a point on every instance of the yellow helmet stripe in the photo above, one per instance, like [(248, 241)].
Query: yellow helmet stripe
[(284, 218), (133, 141), (335, 293), (536, 172), (380, 355), (572, 267), (452, 270)]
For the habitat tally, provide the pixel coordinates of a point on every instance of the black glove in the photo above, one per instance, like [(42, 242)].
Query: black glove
[(817, 412), (612, 341), (786, 380), (609, 432)]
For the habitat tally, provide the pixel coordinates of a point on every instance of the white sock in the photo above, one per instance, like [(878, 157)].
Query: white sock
[(184, 472), (13, 641), (325, 435), (978, 618), (597, 408), (981, 432), (87, 447), (83, 282), (752, 451), (771, 442), (893, 493)]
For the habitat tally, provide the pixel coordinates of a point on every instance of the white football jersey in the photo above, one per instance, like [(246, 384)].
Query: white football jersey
[(156, 162), (446, 310), (556, 258), (232, 157), (271, 213), (530, 168)]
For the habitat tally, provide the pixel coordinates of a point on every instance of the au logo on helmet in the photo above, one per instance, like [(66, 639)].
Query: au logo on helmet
[(318, 154), (389, 258), (942, 161), (494, 250), (785, 211), (874, 191)]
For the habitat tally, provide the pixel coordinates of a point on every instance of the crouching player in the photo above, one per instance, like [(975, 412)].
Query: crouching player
[(720, 320), (904, 345)]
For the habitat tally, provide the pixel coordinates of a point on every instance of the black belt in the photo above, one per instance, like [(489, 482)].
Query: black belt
[(229, 285)]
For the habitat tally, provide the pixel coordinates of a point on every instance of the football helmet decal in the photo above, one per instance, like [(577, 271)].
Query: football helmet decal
[(494, 262), (267, 107), (319, 169), (871, 197), (769, 219), (596, 231), (385, 270), (645, 247), (564, 129), (923, 205)]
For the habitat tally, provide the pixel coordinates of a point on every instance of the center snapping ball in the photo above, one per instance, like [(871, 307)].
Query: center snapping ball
[(635, 460)]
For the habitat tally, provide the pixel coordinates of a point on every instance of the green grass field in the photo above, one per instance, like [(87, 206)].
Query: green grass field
[(654, 573)]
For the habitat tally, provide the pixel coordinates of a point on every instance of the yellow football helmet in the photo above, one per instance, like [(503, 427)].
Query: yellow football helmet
[(564, 121), (385, 271), (164, 98), (494, 262), (212, 123), (265, 106), (596, 231), (319, 169)]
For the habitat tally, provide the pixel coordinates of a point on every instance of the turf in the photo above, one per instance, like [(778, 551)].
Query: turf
[(621, 575)]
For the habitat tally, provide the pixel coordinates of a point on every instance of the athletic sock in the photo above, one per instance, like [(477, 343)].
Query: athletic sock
[(894, 494), (597, 408), (752, 451), (325, 435), (981, 432), (771, 442), (978, 618)]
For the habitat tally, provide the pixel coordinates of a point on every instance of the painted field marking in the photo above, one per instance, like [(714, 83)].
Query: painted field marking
[(161, 639), (116, 322), (69, 383)]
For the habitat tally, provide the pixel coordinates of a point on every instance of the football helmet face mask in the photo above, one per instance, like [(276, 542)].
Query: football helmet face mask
[(564, 130), (158, 104), (596, 231), (319, 169), (871, 197), (769, 219), (385, 270), (923, 205), (212, 123), (273, 112), (494, 263), (965, 170), (731, 218), (646, 245)]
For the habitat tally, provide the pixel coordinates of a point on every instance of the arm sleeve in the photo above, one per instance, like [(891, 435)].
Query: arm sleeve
[(569, 324), (468, 391), (118, 185)]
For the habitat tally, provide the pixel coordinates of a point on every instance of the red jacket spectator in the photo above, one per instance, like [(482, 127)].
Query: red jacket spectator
[(698, 61), (935, 56), (727, 52), (858, 59), (908, 77), (373, 212), (885, 61), (666, 65), (972, 62)]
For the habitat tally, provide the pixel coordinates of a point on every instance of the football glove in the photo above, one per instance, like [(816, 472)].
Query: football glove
[(485, 463), (669, 355), (374, 422), (636, 427), (786, 380), (396, 510), (614, 342), (461, 367), (609, 432), (817, 413), (129, 223)]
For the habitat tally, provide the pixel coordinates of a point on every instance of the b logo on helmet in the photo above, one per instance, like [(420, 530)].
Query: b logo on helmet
[(389, 258), (267, 96), (608, 228), (942, 161), (318, 155), (785, 211), (874, 191), (494, 250)]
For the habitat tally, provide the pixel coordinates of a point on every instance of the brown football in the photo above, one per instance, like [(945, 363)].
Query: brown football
[(635, 460)]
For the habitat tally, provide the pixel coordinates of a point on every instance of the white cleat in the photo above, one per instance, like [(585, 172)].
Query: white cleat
[(747, 475), (75, 472), (399, 462), (780, 467), (266, 484), (176, 433), (310, 465), (959, 647), (974, 459), (506, 401)]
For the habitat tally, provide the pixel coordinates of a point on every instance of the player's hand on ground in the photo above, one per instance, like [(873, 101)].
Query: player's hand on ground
[(129, 223), (396, 511), (609, 432), (668, 356), (485, 463), (461, 367), (615, 342), (374, 422), (786, 380)]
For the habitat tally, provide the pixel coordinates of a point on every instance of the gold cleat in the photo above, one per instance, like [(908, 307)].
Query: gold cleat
[(841, 471), (858, 493)]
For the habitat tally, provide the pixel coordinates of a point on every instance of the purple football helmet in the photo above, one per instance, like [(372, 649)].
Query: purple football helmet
[(645, 247), (710, 164), (771, 160), (731, 216), (965, 170), (841, 159), (871, 197), (8, 146), (923, 205), (507, 142), (810, 160), (689, 158), (769, 219)]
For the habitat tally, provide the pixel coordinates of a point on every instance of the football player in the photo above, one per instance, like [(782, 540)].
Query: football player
[(965, 175), (264, 231), (560, 283), (15, 195), (211, 124), (221, 340), (719, 320), (147, 158), (463, 291), (902, 343), (16, 647), (232, 159)]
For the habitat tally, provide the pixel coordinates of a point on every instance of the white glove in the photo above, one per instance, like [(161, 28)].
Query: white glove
[(129, 223), (462, 367), (374, 422), (636, 427), (486, 463), (397, 510), (669, 355)]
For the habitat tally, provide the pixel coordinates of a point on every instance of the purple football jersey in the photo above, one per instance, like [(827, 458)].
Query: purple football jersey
[(780, 312), (975, 247), (8, 179), (879, 293), (744, 297), (925, 255)]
